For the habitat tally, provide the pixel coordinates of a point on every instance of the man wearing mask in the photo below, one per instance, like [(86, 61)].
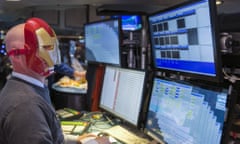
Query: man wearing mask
[(27, 115)]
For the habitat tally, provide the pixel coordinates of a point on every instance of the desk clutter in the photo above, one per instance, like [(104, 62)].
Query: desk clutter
[(71, 83), (76, 123), (74, 127), (68, 114)]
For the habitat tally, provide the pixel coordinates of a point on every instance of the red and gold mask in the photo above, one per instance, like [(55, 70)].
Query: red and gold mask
[(40, 47)]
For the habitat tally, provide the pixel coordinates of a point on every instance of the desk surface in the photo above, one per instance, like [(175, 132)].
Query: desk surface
[(69, 89)]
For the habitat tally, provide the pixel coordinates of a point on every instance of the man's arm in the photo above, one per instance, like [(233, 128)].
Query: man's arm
[(69, 71), (64, 69)]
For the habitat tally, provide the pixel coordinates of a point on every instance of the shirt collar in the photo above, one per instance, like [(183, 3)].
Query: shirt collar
[(28, 79)]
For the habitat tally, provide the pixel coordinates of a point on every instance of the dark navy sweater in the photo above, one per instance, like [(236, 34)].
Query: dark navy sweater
[(27, 116)]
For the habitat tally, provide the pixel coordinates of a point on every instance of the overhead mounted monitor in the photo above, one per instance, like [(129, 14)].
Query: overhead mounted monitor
[(183, 113), (102, 41), (184, 40), (130, 22), (122, 93)]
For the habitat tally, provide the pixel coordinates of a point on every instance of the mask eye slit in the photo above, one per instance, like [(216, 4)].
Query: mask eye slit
[(48, 47)]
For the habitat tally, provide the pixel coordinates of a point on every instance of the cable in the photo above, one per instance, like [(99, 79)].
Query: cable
[(231, 78), (98, 124)]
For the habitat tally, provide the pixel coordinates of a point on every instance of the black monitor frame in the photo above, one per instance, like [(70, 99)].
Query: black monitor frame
[(215, 41), (119, 43)]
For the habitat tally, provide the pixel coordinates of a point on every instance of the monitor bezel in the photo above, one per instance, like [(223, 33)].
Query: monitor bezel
[(203, 84), (119, 37), (142, 103), (215, 36)]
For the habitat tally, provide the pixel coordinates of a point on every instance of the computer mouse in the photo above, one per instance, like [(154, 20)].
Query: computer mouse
[(117, 121), (101, 134)]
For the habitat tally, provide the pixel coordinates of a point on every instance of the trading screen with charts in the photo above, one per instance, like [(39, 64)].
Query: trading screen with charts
[(184, 113)]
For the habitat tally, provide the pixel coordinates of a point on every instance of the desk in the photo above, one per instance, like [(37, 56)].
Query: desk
[(105, 125), (69, 97)]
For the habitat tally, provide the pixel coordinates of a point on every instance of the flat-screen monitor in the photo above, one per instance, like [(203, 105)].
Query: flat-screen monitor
[(131, 22), (122, 93), (102, 41), (184, 40), (183, 113)]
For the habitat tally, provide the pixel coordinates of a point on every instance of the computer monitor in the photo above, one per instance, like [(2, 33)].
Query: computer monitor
[(122, 93), (183, 113), (184, 40), (102, 41), (130, 22)]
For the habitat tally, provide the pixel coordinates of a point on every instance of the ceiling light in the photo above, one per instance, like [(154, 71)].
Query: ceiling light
[(13, 0), (218, 2)]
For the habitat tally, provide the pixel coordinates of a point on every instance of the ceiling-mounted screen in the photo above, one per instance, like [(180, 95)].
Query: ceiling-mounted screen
[(130, 22), (102, 41), (184, 40)]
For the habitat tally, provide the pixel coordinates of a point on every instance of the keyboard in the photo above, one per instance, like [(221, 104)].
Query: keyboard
[(125, 136)]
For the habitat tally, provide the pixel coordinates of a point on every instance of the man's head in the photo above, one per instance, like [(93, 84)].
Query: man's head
[(32, 48)]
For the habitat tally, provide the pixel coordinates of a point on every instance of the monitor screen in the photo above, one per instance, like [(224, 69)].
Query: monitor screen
[(102, 41), (131, 22), (181, 113), (122, 93), (183, 40)]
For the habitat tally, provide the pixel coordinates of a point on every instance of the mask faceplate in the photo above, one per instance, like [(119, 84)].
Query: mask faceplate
[(40, 47)]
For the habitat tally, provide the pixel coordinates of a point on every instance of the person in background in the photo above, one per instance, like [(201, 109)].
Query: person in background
[(80, 53), (63, 69), (5, 69), (66, 69), (27, 115)]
